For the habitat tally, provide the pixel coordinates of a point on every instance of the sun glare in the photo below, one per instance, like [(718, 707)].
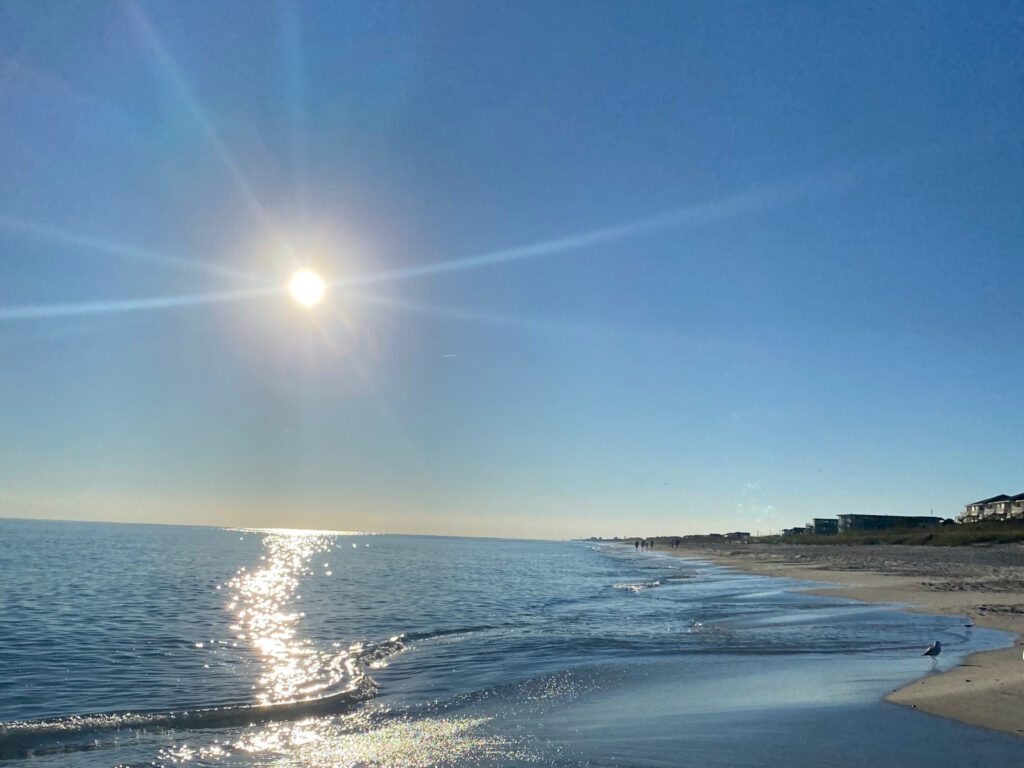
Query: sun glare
[(306, 287)]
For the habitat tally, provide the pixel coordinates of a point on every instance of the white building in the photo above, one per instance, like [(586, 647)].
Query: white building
[(1001, 507)]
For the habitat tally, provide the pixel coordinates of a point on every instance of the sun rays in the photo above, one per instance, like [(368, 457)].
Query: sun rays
[(179, 86), (115, 306), (310, 288), (125, 251), (305, 287)]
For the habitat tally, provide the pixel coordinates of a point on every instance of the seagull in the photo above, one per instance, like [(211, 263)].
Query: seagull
[(933, 650)]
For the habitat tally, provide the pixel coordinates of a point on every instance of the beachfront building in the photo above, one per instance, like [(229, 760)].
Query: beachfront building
[(882, 522), (823, 526), (1001, 507)]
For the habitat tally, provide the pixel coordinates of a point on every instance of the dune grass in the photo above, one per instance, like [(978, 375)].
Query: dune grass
[(1005, 532)]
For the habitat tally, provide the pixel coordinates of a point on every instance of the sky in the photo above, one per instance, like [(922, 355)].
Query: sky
[(594, 269)]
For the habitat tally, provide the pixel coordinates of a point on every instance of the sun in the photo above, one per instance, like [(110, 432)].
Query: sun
[(306, 288)]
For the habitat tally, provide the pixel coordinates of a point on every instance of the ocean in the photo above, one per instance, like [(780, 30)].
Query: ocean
[(136, 645)]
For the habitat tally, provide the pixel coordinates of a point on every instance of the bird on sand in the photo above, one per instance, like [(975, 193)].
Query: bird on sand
[(933, 650)]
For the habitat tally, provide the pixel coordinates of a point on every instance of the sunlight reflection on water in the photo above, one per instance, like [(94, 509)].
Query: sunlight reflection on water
[(326, 742), (415, 744), (266, 618)]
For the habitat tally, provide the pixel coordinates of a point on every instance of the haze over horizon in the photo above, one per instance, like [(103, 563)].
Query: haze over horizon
[(591, 269)]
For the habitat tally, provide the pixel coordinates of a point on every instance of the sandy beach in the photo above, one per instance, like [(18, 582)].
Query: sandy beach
[(983, 583)]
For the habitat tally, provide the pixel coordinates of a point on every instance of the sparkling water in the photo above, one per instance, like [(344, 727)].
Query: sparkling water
[(167, 646)]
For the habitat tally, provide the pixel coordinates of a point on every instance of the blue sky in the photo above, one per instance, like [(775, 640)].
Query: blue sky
[(743, 263)]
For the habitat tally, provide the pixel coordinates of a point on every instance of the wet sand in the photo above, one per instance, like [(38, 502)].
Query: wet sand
[(984, 583)]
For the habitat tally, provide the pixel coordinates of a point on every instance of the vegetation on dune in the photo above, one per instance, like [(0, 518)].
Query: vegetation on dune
[(945, 535), (1003, 532)]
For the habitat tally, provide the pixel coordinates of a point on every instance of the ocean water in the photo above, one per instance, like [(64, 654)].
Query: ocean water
[(126, 645)]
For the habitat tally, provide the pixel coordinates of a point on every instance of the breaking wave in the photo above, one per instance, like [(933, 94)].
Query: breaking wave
[(638, 586), (413, 636), (74, 732)]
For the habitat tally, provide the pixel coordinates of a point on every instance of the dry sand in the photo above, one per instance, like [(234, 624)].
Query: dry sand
[(984, 583)]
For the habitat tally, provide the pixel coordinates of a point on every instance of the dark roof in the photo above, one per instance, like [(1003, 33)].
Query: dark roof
[(1000, 497), (1018, 497), (891, 517)]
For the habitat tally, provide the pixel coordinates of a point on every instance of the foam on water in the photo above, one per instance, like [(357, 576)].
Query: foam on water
[(637, 587)]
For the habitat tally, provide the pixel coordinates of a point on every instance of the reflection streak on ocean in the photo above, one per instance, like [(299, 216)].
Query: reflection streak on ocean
[(266, 618), (325, 743)]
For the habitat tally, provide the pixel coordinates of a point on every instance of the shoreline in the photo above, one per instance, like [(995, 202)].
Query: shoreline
[(986, 584)]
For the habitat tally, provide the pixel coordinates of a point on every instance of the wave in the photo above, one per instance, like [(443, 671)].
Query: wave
[(638, 586), (19, 738), (430, 635)]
